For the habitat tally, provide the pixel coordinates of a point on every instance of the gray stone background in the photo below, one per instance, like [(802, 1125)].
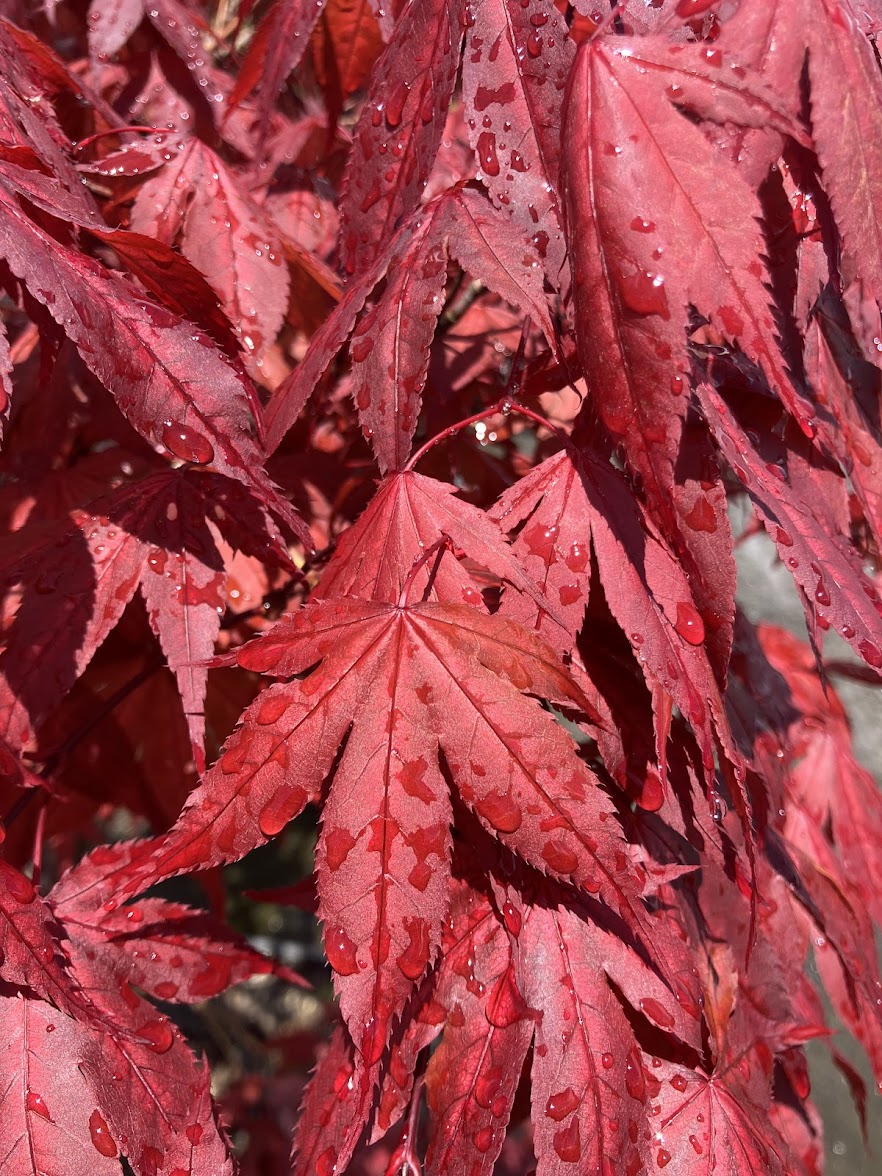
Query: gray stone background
[(766, 593)]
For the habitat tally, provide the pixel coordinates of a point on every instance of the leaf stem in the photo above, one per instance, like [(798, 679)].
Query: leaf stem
[(444, 543), (90, 139)]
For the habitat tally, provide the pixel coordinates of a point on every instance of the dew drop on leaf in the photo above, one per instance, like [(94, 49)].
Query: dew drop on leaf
[(484, 1139), (341, 952), (657, 1012), (487, 1086), (100, 1135), (559, 858), (285, 803), (185, 443), (635, 1082), (415, 957), (562, 1104), (36, 1104), (643, 293), (512, 918), (568, 1143), (158, 1034), (486, 148), (689, 624), (607, 1060), (16, 885), (871, 654), (501, 811)]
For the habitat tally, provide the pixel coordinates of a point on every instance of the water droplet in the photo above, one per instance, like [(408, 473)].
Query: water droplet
[(607, 1061), (679, 1082), (534, 44), (36, 1104), (635, 1082), (185, 443), (658, 1013), (568, 1144), (870, 653), (689, 624), (559, 858), (486, 148), (360, 348), (415, 957), (100, 1135), (18, 887), (512, 918), (158, 1034), (562, 1104), (501, 811), (341, 951), (285, 803), (644, 293), (663, 1158), (487, 1086)]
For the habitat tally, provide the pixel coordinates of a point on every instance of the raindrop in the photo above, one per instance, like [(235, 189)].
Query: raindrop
[(185, 443), (100, 1135), (341, 952)]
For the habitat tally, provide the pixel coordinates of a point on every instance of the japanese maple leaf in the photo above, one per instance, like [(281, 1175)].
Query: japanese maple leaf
[(31, 952), (405, 518), (153, 534), (275, 50), (174, 386), (719, 1123), (824, 775), (98, 1078), (775, 38), (172, 952), (399, 129), (347, 43), (588, 1084), (390, 341), (572, 504), (516, 61), (857, 442), (834, 586), (474, 1073), (76, 1100), (198, 203), (623, 125), (411, 681), (111, 23)]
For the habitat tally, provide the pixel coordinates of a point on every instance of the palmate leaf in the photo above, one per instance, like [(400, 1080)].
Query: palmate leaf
[(776, 39), (196, 202), (515, 65), (412, 681), (400, 127), (833, 585), (79, 579), (520, 724), (389, 342), (174, 385), (624, 122), (79, 1101), (572, 506)]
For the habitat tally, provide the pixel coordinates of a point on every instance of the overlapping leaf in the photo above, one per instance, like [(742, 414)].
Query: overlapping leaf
[(389, 342), (623, 124), (80, 578), (196, 202)]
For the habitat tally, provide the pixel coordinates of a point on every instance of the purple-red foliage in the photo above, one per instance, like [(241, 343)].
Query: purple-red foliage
[(376, 382)]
